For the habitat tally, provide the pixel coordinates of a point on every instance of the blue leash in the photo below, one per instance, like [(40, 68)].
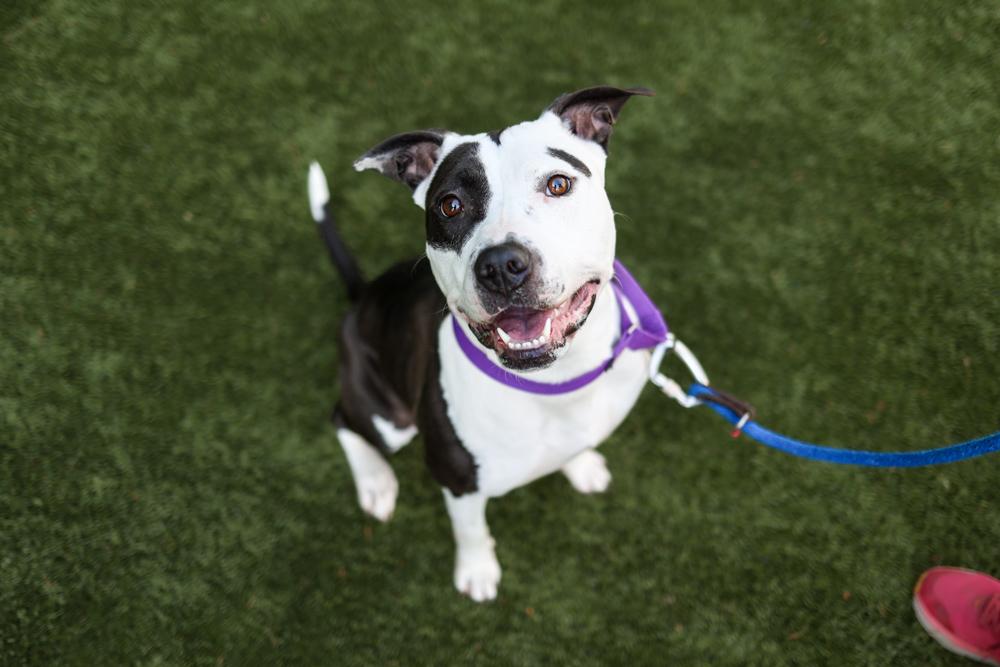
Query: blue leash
[(925, 457)]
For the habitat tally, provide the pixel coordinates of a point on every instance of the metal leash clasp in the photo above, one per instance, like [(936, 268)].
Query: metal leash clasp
[(669, 386)]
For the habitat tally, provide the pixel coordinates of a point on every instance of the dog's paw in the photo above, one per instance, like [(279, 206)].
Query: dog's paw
[(377, 493), (477, 573), (588, 472), (374, 479)]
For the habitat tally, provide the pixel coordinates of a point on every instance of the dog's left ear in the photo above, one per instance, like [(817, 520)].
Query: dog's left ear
[(590, 113)]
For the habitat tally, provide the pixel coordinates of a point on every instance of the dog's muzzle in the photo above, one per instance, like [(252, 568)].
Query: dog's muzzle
[(526, 337)]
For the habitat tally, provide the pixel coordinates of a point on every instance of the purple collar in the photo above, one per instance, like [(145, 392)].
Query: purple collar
[(645, 334)]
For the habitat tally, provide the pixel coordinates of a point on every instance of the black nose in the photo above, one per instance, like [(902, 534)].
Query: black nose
[(503, 268)]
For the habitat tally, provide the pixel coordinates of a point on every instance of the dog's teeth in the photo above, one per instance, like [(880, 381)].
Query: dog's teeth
[(548, 328), (529, 344)]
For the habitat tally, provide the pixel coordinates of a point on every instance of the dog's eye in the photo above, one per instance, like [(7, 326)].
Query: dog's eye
[(451, 206), (559, 185)]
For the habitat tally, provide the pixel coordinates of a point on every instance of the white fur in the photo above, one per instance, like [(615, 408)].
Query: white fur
[(394, 438), (477, 571), (588, 472), (368, 163), (374, 479), (319, 193), (517, 437)]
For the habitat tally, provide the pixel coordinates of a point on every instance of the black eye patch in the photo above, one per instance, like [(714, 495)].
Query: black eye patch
[(461, 173)]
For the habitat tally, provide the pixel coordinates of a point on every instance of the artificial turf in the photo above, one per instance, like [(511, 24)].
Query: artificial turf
[(813, 197)]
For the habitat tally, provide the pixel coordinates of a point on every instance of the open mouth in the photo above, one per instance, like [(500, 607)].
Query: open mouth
[(527, 338)]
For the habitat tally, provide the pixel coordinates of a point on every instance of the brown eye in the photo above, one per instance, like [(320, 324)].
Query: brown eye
[(451, 206), (558, 185)]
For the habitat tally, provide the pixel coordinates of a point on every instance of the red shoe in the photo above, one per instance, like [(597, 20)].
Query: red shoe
[(961, 609)]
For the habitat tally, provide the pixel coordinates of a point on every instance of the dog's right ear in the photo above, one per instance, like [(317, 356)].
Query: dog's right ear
[(408, 158)]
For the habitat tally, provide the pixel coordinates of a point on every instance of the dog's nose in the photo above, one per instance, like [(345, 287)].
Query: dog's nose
[(503, 268)]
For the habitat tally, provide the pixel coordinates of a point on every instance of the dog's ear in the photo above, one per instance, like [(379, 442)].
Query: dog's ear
[(590, 113), (408, 158)]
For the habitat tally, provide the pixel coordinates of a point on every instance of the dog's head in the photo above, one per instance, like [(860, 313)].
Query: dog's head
[(520, 233)]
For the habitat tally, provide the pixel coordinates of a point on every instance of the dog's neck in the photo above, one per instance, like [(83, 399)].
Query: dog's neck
[(590, 346)]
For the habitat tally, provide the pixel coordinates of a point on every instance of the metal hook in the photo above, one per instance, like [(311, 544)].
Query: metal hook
[(669, 386)]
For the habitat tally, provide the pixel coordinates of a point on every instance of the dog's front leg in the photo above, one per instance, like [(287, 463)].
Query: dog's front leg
[(477, 572)]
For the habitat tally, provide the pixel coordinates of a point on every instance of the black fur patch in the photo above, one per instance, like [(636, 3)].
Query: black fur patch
[(389, 367), (450, 463), (462, 174)]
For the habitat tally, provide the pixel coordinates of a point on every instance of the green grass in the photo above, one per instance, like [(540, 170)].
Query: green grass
[(813, 197)]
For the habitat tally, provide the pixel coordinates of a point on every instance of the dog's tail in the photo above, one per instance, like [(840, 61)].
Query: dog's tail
[(343, 260)]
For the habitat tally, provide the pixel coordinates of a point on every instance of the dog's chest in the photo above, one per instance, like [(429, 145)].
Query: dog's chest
[(516, 437)]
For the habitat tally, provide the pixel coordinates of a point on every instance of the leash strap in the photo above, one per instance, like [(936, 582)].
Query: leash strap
[(915, 459), (741, 415)]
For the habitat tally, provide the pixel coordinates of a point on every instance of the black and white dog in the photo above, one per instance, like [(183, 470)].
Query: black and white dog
[(520, 243)]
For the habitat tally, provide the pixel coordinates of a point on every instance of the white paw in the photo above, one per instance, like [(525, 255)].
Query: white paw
[(477, 573), (377, 493), (588, 472), (373, 477)]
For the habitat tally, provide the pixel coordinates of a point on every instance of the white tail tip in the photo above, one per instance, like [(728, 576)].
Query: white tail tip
[(319, 193)]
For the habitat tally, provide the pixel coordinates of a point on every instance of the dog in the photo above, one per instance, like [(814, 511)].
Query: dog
[(520, 246)]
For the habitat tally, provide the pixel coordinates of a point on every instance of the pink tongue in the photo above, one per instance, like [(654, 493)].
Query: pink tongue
[(522, 323)]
